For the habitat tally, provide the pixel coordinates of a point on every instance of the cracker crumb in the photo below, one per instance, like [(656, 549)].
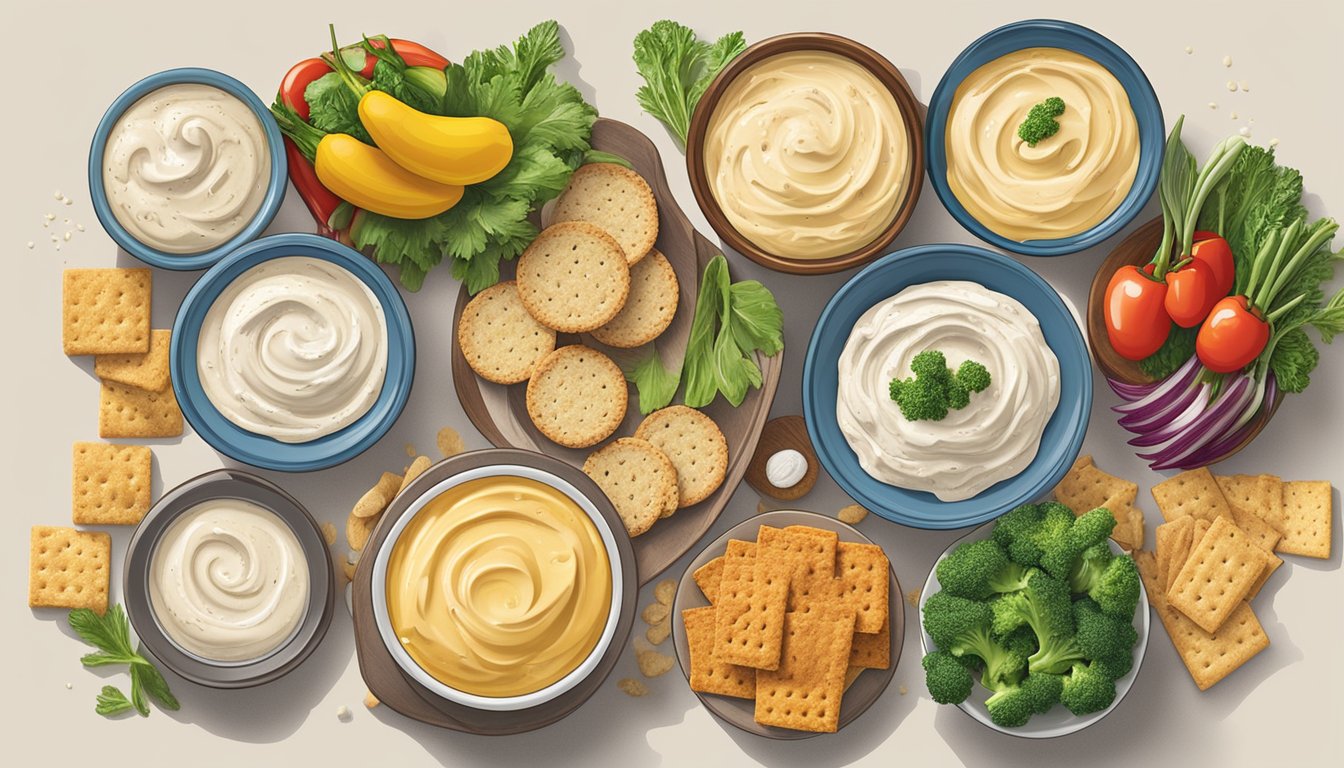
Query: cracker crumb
[(79, 227), (1233, 115), (329, 533), (57, 194), (49, 217), (68, 686), (852, 514), (632, 687), (1232, 85), (655, 613), (912, 597), (1243, 85), (450, 442), (1245, 131), (665, 591), (30, 245), (903, 690), (652, 663), (410, 450), (67, 201), (1189, 49), (658, 633), (343, 714), (370, 701), (1227, 61), (1213, 105)]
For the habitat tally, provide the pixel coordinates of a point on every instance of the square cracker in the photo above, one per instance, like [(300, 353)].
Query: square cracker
[(749, 624), (1129, 525), (1259, 495), (871, 650), (1308, 512), (804, 693), (105, 311), (1221, 569), (810, 556), (68, 568), (133, 412), (707, 578), (865, 585), (110, 484), (1173, 538), (709, 675), (146, 370), (1194, 493), (1086, 487), (1209, 657), (1272, 563)]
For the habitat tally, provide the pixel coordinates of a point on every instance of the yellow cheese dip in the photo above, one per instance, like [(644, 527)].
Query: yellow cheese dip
[(807, 155), (499, 586), (1067, 183)]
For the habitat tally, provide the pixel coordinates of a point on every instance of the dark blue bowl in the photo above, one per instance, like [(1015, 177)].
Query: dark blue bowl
[(1049, 33), (1064, 432), (270, 204), (260, 450)]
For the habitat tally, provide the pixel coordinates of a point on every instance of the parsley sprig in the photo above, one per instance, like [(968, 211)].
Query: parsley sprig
[(111, 635)]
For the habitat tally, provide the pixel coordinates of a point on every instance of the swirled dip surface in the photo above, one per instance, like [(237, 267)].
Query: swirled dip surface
[(228, 580), (186, 168), (1067, 183), (294, 348), (993, 438), (807, 155), (499, 586)]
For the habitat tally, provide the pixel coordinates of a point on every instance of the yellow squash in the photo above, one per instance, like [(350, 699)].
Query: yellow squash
[(449, 150), (367, 178)]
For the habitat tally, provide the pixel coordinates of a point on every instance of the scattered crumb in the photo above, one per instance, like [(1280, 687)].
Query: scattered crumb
[(370, 701), (46, 224), (410, 450), (450, 442), (30, 245), (1227, 61), (632, 687), (329, 533), (1213, 105), (1189, 49), (57, 194), (655, 613), (1232, 85), (651, 662), (1273, 142), (1245, 131), (903, 690), (659, 632), (912, 597), (1233, 115), (68, 686), (79, 227), (50, 217), (665, 591), (851, 514), (343, 714), (1243, 85), (67, 201)]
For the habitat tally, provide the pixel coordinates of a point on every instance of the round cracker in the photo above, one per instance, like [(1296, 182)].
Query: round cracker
[(616, 199), (573, 277), (500, 339), (639, 480), (694, 444), (577, 396), (649, 308)]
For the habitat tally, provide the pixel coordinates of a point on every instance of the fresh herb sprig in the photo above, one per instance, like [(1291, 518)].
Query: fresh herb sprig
[(935, 389), (111, 635), (677, 67), (1040, 123)]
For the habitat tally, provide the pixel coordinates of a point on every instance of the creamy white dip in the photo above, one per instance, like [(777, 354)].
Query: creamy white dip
[(186, 168), (294, 348), (992, 439), (228, 581)]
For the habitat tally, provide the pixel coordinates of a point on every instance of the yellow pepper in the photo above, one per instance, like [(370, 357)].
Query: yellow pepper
[(367, 178), (449, 150)]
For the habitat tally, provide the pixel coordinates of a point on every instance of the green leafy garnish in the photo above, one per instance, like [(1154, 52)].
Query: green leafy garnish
[(598, 156), (334, 108), (677, 67), (111, 635), (655, 385), (1173, 353), (1041, 123), (935, 389), (733, 321)]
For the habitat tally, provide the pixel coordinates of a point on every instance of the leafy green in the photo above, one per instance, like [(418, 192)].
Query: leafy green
[(1173, 353), (111, 635), (732, 322), (677, 67), (698, 367), (1293, 360), (598, 156), (334, 108), (389, 79), (757, 321), (1256, 197), (654, 384)]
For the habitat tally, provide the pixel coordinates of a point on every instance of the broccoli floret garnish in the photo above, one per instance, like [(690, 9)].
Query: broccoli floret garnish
[(935, 389), (1046, 606), (1015, 532), (1041, 123), (1088, 688), (1062, 547), (1012, 706), (1112, 581), (963, 628), (948, 680), (979, 570), (1104, 639)]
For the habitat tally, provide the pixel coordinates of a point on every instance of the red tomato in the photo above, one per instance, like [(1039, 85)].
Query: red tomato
[(1136, 320), (1191, 293), (1232, 336), (1214, 252), (414, 54), (296, 81)]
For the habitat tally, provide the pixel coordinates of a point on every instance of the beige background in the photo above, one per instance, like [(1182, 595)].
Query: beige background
[(66, 62)]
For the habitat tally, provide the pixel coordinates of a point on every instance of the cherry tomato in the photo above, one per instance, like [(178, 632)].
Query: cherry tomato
[(1136, 320), (413, 53), (1191, 293), (1214, 251), (1232, 337), (296, 81)]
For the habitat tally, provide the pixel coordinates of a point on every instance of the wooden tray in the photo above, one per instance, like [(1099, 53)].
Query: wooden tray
[(500, 412), (741, 712)]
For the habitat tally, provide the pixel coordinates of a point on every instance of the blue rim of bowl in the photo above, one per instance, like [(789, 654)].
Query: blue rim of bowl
[(1064, 432), (260, 450), (270, 204), (1050, 33)]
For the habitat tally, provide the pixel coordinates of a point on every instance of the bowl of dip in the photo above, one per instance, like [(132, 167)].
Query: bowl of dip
[(293, 353), (228, 580), (186, 165), (806, 153), (1071, 190), (503, 582), (1011, 443)]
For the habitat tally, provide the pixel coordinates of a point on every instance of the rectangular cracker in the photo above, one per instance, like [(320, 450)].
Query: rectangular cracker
[(851, 675), (865, 585), (1086, 487), (707, 578), (809, 554), (133, 412), (1194, 493), (1272, 563), (871, 650), (110, 484), (804, 693), (1129, 525), (68, 568), (749, 626), (1216, 577), (1172, 538), (1308, 518), (1259, 495), (105, 311), (1208, 657), (146, 370), (708, 675)]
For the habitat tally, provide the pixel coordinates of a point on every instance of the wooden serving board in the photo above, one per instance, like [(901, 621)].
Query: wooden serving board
[(500, 412)]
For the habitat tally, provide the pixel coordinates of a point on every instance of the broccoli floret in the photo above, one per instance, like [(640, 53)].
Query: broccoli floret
[(922, 399), (930, 364), (1117, 590), (973, 376), (1087, 688), (947, 678), (1104, 639), (963, 628), (958, 396), (1041, 123), (1013, 706), (978, 570), (894, 389), (1061, 547), (1022, 640), (1015, 532), (1088, 568), (1045, 605)]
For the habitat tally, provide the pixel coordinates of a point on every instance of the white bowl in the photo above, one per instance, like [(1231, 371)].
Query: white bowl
[(496, 703), (1059, 721)]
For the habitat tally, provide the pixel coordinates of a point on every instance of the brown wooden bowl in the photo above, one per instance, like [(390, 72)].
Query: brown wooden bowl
[(1138, 249), (871, 60)]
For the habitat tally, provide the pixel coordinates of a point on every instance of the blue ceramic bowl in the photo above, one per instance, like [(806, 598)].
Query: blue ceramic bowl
[(1051, 34), (260, 450), (275, 189), (886, 277)]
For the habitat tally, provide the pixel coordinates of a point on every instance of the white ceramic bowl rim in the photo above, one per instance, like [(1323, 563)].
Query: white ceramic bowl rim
[(496, 703)]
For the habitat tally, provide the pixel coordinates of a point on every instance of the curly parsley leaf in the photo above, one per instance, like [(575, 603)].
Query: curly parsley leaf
[(334, 108), (677, 67), (111, 701), (1173, 353)]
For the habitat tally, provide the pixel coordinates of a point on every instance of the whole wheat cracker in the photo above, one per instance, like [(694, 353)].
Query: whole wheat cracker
[(707, 578), (1220, 570), (68, 568), (1193, 493), (696, 446), (146, 370), (616, 199), (708, 674), (805, 691), (638, 479), (751, 606), (865, 584), (105, 311), (1308, 516), (649, 307), (577, 396), (125, 411), (499, 338), (573, 277), (110, 484)]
